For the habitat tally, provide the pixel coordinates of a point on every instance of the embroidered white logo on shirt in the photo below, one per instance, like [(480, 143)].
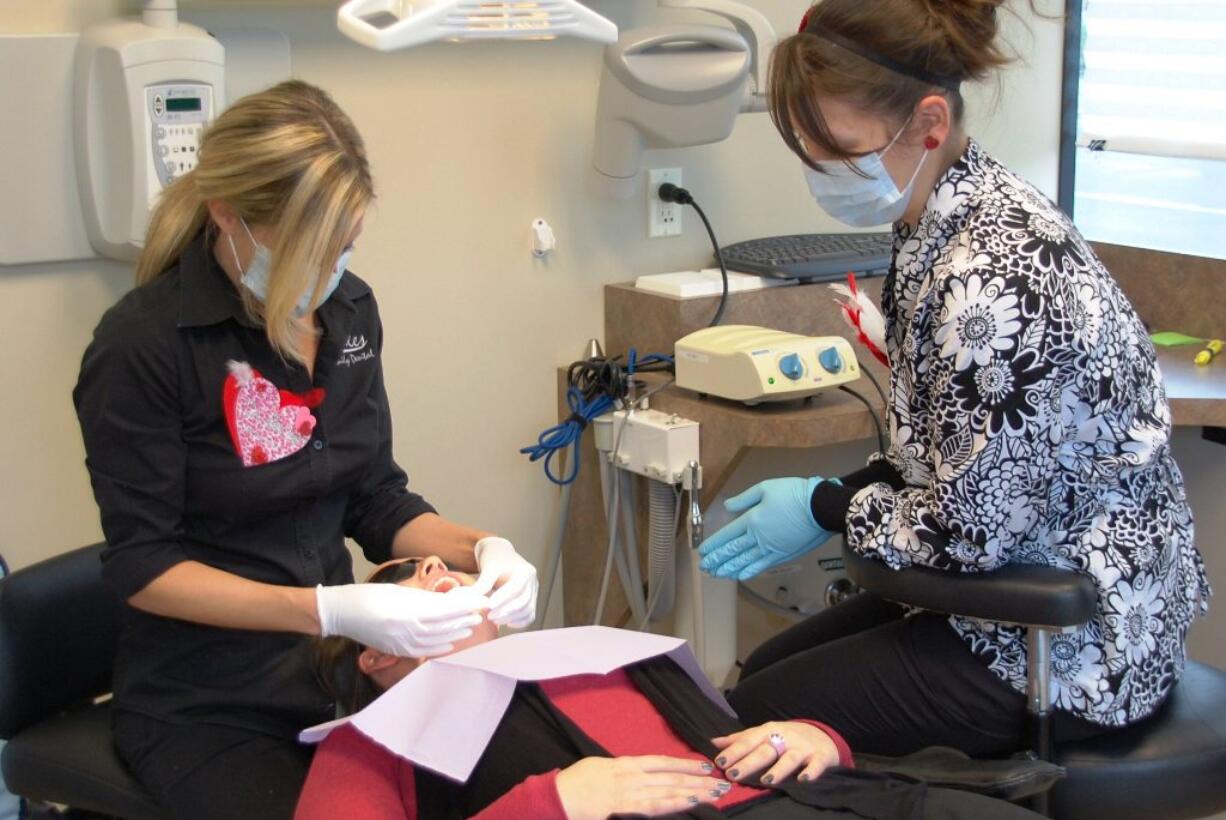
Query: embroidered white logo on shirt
[(354, 351)]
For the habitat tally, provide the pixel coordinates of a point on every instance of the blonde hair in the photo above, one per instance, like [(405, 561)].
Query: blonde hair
[(289, 158)]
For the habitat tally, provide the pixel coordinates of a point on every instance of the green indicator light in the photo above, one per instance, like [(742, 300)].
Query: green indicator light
[(771, 380)]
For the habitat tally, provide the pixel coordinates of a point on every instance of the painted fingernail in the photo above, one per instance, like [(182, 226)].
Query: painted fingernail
[(734, 774), (693, 800), (721, 762), (717, 793), (724, 785), (804, 778), (708, 767), (769, 779)]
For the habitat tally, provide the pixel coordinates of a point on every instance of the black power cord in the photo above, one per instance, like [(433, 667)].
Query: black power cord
[(611, 376), (672, 193), (872, 412)]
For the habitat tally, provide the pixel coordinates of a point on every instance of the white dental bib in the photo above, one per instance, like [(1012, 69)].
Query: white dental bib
[(443, 714)]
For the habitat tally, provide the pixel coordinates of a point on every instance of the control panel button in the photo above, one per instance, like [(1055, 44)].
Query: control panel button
[(792, 367), (830, 360)]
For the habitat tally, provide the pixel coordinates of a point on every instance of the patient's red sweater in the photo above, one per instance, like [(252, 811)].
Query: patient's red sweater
[(353, 777)]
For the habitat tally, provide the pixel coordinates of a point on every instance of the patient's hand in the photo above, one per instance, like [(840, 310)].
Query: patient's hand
[(597, 787), (809, 751)]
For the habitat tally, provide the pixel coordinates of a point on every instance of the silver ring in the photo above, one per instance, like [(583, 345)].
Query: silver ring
[(777, 743)]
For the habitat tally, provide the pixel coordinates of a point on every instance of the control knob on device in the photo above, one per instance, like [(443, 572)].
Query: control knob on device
[(830, 360), (792, 367)]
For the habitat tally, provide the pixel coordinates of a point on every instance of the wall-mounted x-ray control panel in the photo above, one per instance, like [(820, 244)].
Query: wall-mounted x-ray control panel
[(177, 116), (110, 117)]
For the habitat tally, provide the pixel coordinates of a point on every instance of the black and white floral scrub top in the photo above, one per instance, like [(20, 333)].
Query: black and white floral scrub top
[(1029, 421)]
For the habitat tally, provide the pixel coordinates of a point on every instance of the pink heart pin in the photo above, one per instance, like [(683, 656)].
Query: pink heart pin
[(266, 424)]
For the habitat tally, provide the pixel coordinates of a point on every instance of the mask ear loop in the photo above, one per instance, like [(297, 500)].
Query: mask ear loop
[(883, 151), (234, 250), (930, 143), (234, 253), (911, 182), (243, 222)]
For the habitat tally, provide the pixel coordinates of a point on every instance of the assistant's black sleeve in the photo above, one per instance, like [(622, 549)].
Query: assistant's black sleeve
[(878, 470), (829, 505), (127, 401), (831, 500), (382, 503)]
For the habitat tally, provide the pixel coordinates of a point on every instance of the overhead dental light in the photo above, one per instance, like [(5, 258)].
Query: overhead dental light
[(387, 25), (759, 36), (676, 86)]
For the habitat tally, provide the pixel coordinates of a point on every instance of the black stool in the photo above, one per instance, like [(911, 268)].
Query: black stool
[(1170, 766), (59, 625)]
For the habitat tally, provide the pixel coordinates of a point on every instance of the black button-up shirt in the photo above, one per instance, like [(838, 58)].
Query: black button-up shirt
[(172, 486)]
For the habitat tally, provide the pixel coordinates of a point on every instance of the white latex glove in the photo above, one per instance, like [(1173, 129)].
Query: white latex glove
[(510, 578), (399, 620)]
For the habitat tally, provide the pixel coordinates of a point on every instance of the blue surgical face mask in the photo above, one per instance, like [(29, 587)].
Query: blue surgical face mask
[(255, 277), (862, 201)]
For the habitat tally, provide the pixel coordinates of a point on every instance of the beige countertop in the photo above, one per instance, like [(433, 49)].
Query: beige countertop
[(1197, 394)]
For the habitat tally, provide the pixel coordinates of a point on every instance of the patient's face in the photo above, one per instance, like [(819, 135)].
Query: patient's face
[(432, 575)]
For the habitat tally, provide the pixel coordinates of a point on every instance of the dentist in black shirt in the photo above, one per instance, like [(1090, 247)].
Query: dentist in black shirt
[(237, 429)]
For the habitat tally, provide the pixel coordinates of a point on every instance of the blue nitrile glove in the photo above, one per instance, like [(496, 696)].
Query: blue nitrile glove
[(776, 526)]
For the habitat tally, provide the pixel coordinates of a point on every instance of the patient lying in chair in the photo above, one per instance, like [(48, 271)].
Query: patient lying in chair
[(644, 739)]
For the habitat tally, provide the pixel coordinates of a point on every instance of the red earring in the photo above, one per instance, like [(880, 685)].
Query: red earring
[(931, 143)]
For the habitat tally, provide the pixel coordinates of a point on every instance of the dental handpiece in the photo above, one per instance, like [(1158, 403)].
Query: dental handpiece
[(695, 507)]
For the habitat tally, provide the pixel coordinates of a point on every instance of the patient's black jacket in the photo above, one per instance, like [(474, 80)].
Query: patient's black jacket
[(534, 738)]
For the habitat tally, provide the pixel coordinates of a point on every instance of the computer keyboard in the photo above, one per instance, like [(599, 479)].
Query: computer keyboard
[(813, 257)]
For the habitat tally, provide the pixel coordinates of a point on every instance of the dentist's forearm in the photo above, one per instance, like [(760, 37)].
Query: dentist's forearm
[(195, 592), (432, 534)]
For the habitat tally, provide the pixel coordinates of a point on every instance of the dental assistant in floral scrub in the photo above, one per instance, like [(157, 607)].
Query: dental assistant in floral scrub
[(1028, 422), (237, 430)]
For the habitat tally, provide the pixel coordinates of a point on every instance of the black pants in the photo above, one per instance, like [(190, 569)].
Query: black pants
[(891, 685), (213, 772), (939, 804)]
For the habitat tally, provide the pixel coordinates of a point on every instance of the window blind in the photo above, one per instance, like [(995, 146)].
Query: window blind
[(1153, 77)]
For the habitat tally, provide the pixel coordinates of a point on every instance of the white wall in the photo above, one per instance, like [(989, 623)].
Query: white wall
[(468, 144)]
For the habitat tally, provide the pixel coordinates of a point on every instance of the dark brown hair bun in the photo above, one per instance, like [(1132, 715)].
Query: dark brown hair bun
[(883, 56)]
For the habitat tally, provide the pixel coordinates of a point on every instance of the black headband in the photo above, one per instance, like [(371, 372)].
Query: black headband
[(951, 83)]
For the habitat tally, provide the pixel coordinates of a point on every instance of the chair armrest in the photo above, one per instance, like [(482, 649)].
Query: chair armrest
[(1024, 594)]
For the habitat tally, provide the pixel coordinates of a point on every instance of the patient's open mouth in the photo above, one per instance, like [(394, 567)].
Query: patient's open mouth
[(444, 584)]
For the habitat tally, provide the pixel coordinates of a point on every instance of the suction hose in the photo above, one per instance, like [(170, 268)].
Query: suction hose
[(661, 546)]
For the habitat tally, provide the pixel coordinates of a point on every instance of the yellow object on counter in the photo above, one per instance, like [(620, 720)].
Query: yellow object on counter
[(1212, 348)]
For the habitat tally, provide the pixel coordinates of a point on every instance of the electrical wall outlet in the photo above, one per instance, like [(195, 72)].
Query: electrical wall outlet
[(663, 218)]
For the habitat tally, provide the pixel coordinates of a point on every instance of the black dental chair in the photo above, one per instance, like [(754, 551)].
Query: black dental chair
[(59, 625), (1170, 766)]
